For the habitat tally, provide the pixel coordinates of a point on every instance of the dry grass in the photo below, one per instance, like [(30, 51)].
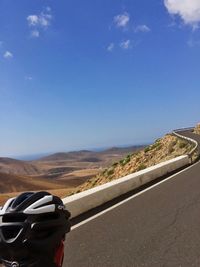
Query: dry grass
[(87, 173), (59, 174), (163, 149), (64, 163), (197, 129)]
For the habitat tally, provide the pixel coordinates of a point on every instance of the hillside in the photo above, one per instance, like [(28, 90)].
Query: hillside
[(197, 129), (56, 165), (76, 181), (18, 167), (61, 172), (88, 156), (66, 155), (163, 149), (17, 183), (79, 164)]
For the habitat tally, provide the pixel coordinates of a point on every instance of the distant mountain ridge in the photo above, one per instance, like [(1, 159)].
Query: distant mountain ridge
[(85, 153), (66, 155), (62, 170)]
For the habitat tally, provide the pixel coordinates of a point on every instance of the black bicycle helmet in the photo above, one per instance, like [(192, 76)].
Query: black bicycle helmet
[(32, 229)]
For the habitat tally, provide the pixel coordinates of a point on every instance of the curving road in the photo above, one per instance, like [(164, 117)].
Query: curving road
[(160, 227)]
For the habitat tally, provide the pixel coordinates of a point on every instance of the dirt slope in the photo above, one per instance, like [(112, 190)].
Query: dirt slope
[(197, 129), (65, 165), (13, 166), (17, 183), (163, 149)]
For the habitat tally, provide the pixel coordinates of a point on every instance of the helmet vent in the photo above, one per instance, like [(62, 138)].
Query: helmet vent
[(48, 217), (11, 232), (7, 218)]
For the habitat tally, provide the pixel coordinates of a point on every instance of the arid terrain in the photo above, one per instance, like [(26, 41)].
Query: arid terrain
[(68, 173), (197, 129), (60, 172), (163, 149)]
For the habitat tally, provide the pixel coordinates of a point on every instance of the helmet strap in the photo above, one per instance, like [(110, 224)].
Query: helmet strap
[(59, 255)]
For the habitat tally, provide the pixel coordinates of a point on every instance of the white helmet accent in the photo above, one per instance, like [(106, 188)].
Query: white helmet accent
[(7, 204), (33, 209)]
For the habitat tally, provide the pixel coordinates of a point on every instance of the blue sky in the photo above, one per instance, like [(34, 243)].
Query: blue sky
[(82, 74)]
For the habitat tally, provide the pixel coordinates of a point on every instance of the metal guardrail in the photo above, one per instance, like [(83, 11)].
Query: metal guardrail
[(184, 129), (189, 140)]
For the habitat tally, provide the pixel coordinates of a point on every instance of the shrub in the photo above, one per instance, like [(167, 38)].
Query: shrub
[(93, 182), (142, 167), (115, 164), (137, 159), (110, 171), (159, 147), (105, 172), (174, 142), (170, 148), (182, 144), (156, 146), (136, 153), (121, 162), (147, 149), (126, 160), (158, 140)]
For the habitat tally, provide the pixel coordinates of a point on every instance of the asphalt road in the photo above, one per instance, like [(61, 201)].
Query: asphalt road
[(160, 227)]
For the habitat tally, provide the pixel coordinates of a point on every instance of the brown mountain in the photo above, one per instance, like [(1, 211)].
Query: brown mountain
[(60, 171), (90, 156), (13, 166), (18, 183), (73, 155)]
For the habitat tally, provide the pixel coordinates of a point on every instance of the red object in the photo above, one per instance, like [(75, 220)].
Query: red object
[(59, 254)]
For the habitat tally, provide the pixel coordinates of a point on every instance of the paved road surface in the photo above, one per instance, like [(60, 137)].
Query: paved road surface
[(160, 227)]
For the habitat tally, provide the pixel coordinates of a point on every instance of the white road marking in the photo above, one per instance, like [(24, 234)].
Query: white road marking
[(128, 199)]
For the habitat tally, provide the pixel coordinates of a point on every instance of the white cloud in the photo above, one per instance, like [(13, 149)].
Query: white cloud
[(125, 44), (110, 47), (122, 20), (42, 20), (45, 19), (35, 34), (33, 20), (39, 22), (188, 10), (142, 28), (8, 55)]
